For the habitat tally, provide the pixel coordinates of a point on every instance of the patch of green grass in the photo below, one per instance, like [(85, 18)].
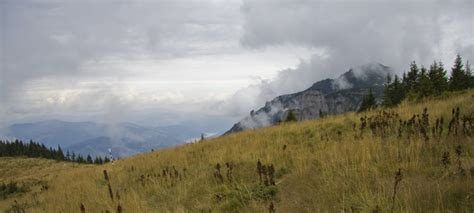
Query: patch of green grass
[(10, 188)]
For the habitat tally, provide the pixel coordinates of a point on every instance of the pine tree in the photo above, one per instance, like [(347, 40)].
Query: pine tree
[(405, 83), (80, 159), (59, 154), (291, 117), (412, 78), (98, 160), (459, 79), (89, 159), (388, 92), (398, 91), (368, 102), (437, 76), (425, 85)]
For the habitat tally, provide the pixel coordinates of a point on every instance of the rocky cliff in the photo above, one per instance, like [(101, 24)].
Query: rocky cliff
[(326, 97)]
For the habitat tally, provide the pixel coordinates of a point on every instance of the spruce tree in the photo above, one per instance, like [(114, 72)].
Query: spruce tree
[(59, 154), (387, 92), (412, 78), (437, 76), (398, 91), (390, 90), (368, 102), (291, 117), (425, 85), (405, 82), (459, 79), (80, 159), (89, 159)]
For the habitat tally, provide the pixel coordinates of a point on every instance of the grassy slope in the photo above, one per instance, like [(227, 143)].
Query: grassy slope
[(31, 174), (319, 171)]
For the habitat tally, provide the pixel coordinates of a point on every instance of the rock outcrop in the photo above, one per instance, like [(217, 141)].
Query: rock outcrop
[(326, 97)]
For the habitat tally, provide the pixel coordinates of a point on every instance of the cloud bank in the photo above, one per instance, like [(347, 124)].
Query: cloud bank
[(349, 34), (66, 59)]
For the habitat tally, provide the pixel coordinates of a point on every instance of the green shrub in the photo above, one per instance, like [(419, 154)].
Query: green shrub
[(10, 188)]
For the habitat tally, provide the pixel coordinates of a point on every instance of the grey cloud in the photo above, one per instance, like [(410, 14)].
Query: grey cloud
[(49, 39), (467, 51), (352, 33), (56, 38), (355, 32), (41, 38)]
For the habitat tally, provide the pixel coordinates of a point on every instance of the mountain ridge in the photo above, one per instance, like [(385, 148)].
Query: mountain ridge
[(328, 96), (87, 137)]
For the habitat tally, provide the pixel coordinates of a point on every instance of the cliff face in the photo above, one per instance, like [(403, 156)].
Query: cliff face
[(326, 97)]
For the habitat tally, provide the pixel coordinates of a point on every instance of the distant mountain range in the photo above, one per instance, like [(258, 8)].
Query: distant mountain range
[(329, 96), (326, 97), (95, 138)]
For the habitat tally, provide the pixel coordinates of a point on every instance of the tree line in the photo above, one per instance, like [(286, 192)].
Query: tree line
[(420, 82), (37, 150)]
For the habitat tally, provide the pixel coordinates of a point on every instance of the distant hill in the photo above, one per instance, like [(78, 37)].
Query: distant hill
[(95, 138), (327, 97)]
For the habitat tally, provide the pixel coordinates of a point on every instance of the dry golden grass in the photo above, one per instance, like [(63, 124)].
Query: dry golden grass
[(319, 171)]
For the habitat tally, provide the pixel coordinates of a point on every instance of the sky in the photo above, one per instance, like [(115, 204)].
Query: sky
[(163, 62)]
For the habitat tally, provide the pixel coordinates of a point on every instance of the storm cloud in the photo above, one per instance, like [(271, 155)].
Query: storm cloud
[(61, 38), (75, 56), (78, 59), (351, 33)]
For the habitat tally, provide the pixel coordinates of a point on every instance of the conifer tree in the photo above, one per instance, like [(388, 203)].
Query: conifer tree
[(459, 79), (98, 160), (368, 102), (388, 92), (59, 154), (412, 77), (405, 83), (89, 159), (291, 117), (398, 91), (425, 87), (437, 76)]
